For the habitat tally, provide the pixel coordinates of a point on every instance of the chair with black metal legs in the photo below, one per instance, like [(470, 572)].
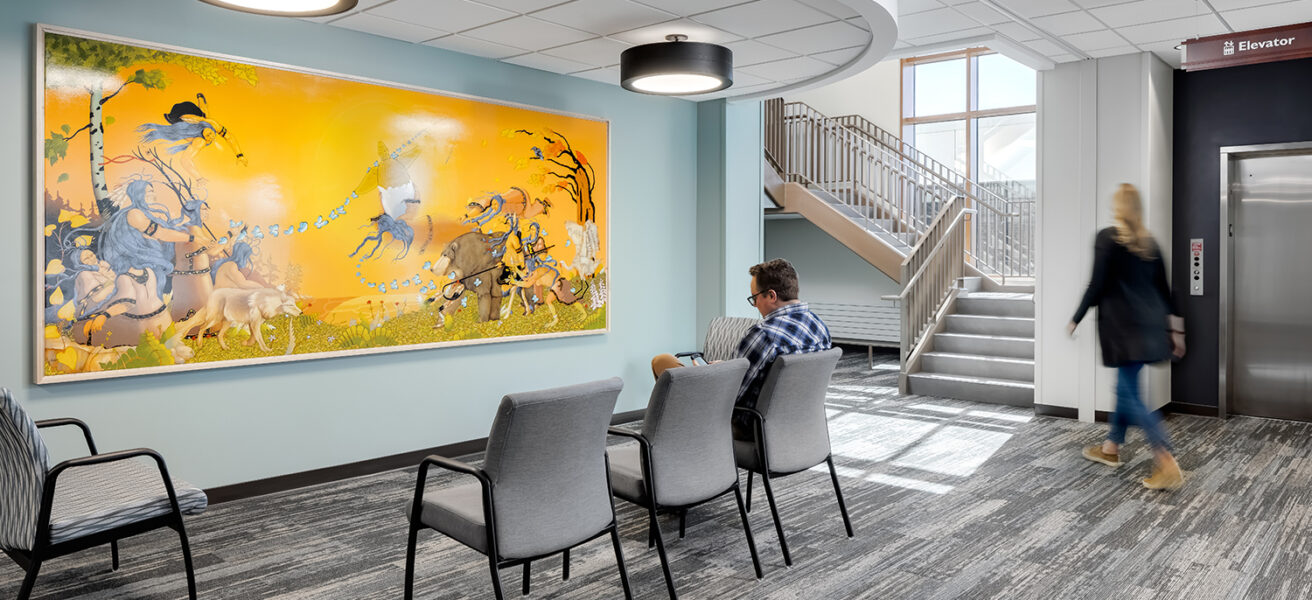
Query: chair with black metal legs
[(790, 433), (722, 337), (684, 455), (544, 487), (48, 512)]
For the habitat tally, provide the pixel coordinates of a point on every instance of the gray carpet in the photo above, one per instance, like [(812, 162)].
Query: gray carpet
[(949, 499)]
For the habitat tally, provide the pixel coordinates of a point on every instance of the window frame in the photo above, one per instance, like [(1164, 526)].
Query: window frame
[(972, 113)]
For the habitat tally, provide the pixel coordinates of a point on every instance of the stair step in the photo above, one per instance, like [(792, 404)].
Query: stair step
[(996, 304), (987, 345), (978, 365), (978, 389), (991, 325)]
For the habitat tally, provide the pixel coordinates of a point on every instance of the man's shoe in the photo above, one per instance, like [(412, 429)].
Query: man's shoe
[(1095, 454), (1166, 476)]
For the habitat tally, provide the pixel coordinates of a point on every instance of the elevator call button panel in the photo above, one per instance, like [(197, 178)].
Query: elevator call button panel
[(1196, 267)]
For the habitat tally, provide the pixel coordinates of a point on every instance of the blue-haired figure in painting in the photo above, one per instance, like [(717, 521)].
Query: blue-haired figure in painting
[(189, 125), (398, 197), (230, 271)]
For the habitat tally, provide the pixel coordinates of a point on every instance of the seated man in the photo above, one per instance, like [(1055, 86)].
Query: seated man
[(787, 327)]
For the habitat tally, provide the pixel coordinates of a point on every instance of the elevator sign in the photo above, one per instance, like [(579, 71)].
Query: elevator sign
[(1248, 47)]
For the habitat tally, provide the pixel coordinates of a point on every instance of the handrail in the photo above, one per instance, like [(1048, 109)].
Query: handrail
[(961, 216)]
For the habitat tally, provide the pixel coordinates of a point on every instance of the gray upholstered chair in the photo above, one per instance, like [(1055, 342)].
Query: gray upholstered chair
[(544, 487), (684, 455), (722, 337), (789, 429), (47, 512)]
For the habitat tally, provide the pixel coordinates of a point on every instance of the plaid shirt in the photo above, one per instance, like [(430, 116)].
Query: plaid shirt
[(789, 329)]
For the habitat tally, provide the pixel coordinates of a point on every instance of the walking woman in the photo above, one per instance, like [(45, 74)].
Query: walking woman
[(1136, 326)]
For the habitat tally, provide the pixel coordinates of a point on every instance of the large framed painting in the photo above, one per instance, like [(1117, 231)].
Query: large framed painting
[(199, 211)]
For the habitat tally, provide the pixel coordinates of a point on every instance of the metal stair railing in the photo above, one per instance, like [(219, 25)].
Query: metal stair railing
[(1005, 228)]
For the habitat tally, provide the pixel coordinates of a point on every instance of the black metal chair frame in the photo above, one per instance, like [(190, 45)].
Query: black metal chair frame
[(43, 550), (654, 509), (758, 430), (495, 561)]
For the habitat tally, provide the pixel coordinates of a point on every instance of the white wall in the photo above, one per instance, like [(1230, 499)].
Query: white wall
[(874, 94), (1102, 123)]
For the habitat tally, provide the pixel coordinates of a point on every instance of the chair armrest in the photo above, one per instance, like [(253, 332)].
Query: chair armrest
[(758, 431), (621, 432), (86, 431), (751, 412), (695, 356), (455, 466), (48, 493)]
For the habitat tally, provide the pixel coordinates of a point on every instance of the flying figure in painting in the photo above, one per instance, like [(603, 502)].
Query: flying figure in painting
[(188, 124), (398, 197)]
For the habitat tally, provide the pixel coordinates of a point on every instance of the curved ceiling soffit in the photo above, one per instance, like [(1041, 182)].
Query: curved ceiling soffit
[(881, 16)]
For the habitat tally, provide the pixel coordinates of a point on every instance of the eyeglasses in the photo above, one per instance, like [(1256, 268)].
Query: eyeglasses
[(752, 298)]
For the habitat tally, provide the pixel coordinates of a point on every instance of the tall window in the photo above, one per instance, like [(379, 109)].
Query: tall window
[(973, 111)]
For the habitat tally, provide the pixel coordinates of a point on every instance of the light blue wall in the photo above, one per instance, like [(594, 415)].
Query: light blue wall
[(730, 232), (238, 424), (827, 271)]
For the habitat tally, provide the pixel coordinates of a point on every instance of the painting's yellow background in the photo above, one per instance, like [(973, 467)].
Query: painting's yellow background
[(309, 140)]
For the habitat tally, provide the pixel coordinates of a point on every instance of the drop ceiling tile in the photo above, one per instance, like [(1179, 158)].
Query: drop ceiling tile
[(604, 17), (522, 6), (763, 17), (982, 13), (362, 6), (609, 75), (1165, 51), (833, 8), (1224, 5), (792, 68), (696, 32), (1272, 15), (1017, 32), (386, 27), (751, 52), (1068, 23), (690, 7), (910, 7), (1097, 3), (934, 22), (1113, 51), (1148, 11), (819, 38), (1064, 58), (543, 62), (447, 15), (1095, 40), (733, 91), (1176, 30), (839, 58), (744, 80), (1037, 8), (599, 52), (527, 31), (468, 45), (950, 36)]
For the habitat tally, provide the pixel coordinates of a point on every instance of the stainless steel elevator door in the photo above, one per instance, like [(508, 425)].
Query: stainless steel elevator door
[(1272, 319)]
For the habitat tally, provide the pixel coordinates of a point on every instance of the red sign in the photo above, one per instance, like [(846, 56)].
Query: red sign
[(1248, 47)]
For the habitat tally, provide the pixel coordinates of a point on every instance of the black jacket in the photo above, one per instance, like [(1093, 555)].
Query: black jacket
[(1133, 303)]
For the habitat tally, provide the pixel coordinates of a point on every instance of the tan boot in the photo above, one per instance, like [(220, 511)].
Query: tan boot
[(1166, 475), (1095, 454)]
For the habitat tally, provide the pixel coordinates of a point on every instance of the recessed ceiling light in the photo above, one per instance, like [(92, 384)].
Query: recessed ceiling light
[(676, 67), (287, 8)]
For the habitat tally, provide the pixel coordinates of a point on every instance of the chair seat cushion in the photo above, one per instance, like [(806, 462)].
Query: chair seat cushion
[(626, 473), (98, 498), (457, 511)]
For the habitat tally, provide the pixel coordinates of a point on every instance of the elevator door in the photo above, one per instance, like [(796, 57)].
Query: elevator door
[(1272, 319)]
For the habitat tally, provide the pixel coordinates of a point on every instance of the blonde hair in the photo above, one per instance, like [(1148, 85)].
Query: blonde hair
[(1127, 211)]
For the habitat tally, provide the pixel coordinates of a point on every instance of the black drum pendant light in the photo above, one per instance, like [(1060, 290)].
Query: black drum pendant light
[(287, 8), (676, 67)]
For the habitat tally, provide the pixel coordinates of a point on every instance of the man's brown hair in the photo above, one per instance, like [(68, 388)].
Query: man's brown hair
[(777, 275)]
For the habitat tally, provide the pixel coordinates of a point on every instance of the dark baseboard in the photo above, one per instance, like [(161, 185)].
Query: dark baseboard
[(291, 481), (1066, 412), (1185, 408)]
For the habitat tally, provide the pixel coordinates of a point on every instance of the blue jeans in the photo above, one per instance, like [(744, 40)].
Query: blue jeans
[(1130, 410)]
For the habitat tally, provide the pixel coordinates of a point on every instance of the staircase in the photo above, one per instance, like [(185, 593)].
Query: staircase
[(961, 250)]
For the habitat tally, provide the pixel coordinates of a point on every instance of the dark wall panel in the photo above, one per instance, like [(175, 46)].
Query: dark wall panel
[(1256, 104)]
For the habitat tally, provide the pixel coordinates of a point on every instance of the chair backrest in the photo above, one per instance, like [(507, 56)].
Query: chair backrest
[(793, 402), (23, 464), (546, 458), (688, 424), (723, 335)]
